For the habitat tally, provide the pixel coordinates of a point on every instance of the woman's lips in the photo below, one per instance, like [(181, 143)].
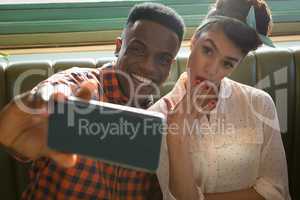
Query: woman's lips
[(199, 78)]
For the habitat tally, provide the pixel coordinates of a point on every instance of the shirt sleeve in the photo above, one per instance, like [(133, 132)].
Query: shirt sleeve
[(272, 183), (163, 169), (67, 81)]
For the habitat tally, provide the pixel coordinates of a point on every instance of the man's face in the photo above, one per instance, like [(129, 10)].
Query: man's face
[(146, 53)]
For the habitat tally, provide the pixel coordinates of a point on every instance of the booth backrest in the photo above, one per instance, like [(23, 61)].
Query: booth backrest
[(295, 153), (276, 71)]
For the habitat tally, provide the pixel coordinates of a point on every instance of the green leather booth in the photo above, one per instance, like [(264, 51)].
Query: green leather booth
[(295, 167), (2, 85), (276, 71)]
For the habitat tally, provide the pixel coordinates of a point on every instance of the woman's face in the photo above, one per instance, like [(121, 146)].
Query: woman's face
[(213, 56)]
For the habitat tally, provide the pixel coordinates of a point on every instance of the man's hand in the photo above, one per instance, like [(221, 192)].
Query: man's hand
[(24, 124)]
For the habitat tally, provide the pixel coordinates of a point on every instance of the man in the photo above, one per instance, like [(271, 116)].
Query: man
[(149, 43)]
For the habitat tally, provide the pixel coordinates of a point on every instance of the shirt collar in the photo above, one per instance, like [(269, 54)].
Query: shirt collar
[(225, 88), (179, 91), (111, 85)]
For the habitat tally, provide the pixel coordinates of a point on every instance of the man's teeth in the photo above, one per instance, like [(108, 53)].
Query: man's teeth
[(142, 79)]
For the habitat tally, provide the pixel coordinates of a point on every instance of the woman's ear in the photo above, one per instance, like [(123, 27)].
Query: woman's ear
[(192, 42), (118, 44)]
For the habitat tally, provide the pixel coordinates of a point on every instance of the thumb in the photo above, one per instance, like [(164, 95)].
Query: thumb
[(63, 159), (87, 90)]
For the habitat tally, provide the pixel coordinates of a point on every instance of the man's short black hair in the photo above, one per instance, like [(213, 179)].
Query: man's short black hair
[(158, 13)]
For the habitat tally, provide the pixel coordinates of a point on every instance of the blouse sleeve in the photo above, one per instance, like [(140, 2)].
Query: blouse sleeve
[(163, 174), (272, 183), (163, 169)]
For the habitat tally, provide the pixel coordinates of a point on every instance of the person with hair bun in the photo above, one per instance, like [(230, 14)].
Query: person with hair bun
[(223, 138)]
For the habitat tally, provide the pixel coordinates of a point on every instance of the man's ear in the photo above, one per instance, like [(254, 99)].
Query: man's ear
[(118, 44)]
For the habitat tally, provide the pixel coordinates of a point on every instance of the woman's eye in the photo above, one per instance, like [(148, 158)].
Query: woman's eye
[(228, 64), (207, 50)]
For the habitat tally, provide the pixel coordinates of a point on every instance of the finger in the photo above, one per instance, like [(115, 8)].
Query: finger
[(63, 159), (58, 97), (209, 107), (39, 105), (87, 90), (168, 104), (182, 106), (203, 93), (198, 98)]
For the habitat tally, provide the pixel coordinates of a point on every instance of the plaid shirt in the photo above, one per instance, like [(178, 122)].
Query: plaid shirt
[(89, 179)]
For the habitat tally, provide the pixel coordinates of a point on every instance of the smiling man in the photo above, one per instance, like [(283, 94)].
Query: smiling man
[(149, 43)]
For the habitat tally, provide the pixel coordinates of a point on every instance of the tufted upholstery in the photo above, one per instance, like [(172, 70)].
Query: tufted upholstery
[(64, 64), (22, 76), (294, 168), (2, 85), (277, 71)]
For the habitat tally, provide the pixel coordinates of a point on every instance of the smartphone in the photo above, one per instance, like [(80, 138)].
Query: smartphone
[(121, 135)]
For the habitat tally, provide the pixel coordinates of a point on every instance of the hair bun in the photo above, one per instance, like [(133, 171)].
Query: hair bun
[(256, 3), (263, 16), (239, 9)]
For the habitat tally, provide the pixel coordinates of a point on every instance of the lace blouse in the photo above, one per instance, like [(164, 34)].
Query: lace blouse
[(239, 147)]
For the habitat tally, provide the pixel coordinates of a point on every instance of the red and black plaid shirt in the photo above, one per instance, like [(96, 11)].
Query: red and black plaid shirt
[(90, 179)]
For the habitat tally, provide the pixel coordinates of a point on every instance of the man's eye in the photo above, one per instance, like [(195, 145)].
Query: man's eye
[(165, 60), (136, 50)]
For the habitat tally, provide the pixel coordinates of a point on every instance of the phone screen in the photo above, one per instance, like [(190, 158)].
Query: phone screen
[(116, 134)]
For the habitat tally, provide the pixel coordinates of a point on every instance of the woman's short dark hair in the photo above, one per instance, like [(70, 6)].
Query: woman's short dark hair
[(242, 35)]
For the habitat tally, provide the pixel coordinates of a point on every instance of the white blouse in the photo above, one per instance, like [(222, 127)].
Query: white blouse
[(238, 148)]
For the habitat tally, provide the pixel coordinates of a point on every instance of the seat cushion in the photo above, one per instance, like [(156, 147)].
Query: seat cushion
[(2, 86), (295, 172), (182, 61), (171, 80), (103, 60), (23, 76), (60, 65), (8, 189), (7, 174), (276, 75), (245, 73)]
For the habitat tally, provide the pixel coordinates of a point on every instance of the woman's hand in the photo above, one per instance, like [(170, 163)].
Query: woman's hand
[(24, 125), (198, 101), (181, 119)]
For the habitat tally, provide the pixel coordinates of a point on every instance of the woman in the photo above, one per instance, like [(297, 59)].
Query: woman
[(223, 138)]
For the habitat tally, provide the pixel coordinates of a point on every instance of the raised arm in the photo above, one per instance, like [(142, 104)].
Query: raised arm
[(24, 121)]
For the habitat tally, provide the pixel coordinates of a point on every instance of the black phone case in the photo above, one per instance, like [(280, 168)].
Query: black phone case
[(98, 130)]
